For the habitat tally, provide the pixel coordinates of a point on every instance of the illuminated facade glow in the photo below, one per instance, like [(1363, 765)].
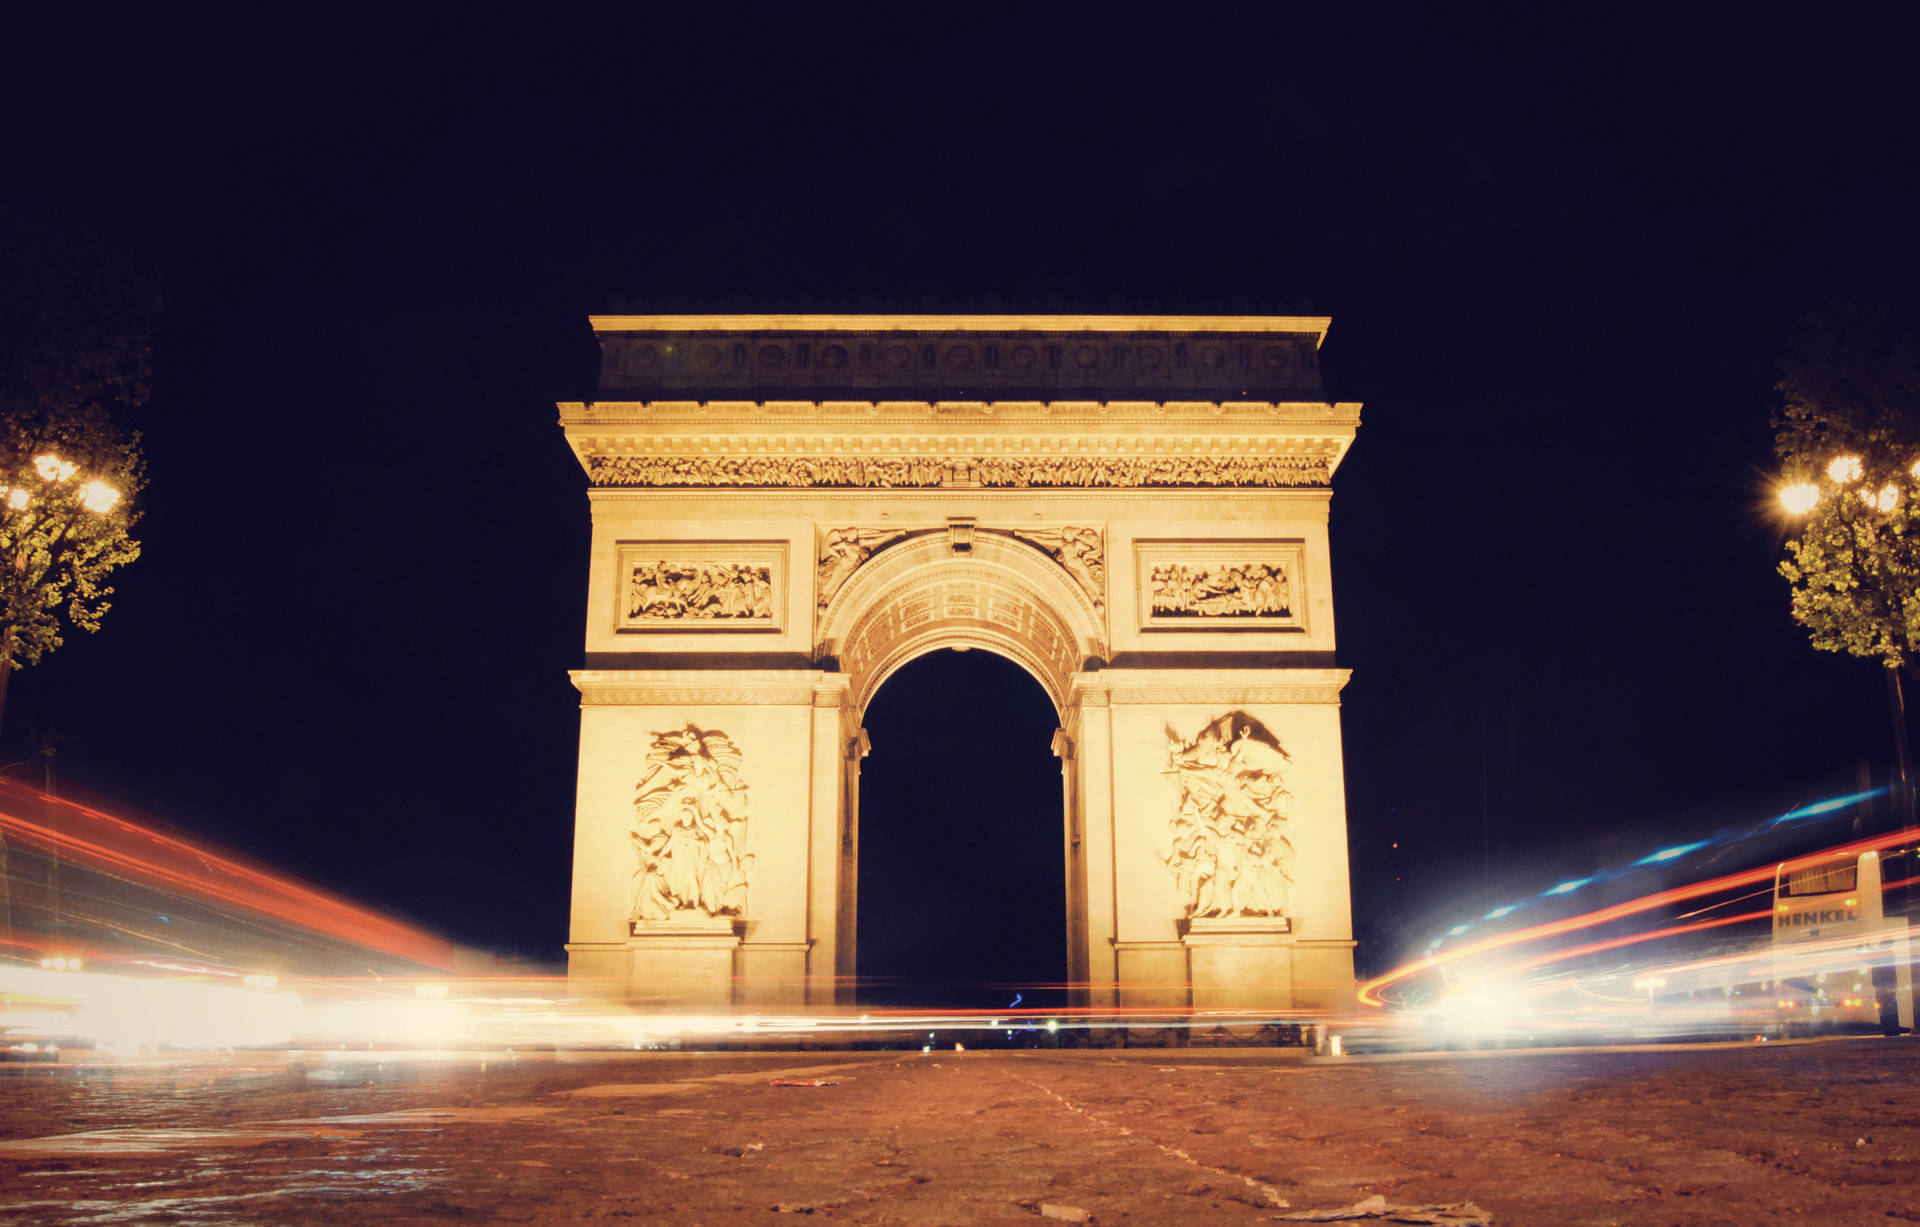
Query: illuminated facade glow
[(788, 509)]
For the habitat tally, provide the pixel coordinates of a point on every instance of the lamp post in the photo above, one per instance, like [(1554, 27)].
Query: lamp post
[(1871, 508), (44, 517)]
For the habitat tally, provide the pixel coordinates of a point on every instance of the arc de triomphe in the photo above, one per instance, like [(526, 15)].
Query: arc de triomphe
[(786, 509)]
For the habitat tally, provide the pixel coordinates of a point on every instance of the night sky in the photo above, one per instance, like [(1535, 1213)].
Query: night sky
[(1560, 260)]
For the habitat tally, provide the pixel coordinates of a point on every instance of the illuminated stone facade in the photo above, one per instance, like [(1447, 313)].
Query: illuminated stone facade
[(786, 509)]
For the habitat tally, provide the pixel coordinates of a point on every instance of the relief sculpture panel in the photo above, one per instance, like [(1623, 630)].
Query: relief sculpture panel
[(1227, 848), (689, 830), (700, 586), (1221, 585)]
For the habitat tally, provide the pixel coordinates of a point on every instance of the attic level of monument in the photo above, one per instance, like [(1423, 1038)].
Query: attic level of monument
[(1000, 357)]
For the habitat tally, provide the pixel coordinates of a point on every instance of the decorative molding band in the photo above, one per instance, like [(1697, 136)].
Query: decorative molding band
[(881, 323), (1344, 415), (1131, 696), (962, 472), (1090, 696), (770, 696)]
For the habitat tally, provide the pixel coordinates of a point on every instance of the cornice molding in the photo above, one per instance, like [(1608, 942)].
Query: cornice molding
[(1316, 324), (699, 696), (659, 412), (1216, 695), (668, 688), (1122, 687)]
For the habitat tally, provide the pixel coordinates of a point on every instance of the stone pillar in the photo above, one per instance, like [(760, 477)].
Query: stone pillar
[(1073, 835), (825, 834), (846, 956), (1094, 746)]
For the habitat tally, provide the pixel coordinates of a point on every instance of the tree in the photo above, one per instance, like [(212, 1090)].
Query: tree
[(75, 328), (1848, 438)]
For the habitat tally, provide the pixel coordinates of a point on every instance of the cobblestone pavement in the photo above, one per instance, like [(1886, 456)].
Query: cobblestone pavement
[(1781, 1133)]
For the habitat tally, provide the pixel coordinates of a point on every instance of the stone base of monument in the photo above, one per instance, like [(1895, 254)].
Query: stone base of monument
[(686, 959), (1240, 962)]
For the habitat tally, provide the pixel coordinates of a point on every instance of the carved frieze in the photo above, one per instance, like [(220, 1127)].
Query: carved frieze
[(689, 830), (700, 585), (1227, 848), (988, 472), (1221, 585)]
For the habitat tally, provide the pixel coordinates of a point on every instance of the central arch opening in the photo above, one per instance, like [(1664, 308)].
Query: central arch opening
[(962, 868)]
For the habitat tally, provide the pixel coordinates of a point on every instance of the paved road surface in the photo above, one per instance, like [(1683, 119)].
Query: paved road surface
[(1780, 1133)]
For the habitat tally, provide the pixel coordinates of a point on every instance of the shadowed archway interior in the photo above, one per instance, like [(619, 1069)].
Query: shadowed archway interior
[(962, 873)]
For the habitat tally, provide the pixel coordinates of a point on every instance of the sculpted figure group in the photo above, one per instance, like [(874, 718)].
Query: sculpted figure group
[(1221, 591), (843, 550), (1228, 851), (699, 590), (690, 828), (1122, 472), (1080, 551)]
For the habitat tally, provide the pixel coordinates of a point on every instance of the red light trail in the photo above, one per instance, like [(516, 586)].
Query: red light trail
[(141, 855)]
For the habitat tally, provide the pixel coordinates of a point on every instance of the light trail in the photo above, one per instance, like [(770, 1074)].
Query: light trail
[(1663, 856), (1369, 993), (1617, 943), (143, 856)]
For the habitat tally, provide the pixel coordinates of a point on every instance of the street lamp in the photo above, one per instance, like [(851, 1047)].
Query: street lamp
[(1867, 504), (36, 514), (32, 517)]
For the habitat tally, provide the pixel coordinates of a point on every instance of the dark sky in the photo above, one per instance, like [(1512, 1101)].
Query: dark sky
[(1560, 260)]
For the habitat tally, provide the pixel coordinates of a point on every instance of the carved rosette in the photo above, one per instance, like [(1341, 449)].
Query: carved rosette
[(1227, 849), (689, 830)]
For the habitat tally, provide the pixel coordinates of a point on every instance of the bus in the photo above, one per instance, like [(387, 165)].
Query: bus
[(1839, 961)]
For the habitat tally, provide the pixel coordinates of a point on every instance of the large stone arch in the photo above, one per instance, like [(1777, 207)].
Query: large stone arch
[(932, 591), (787, 509)]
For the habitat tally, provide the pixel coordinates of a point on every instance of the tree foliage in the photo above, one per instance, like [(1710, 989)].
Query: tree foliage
[(75, 330), (1850, 387)]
